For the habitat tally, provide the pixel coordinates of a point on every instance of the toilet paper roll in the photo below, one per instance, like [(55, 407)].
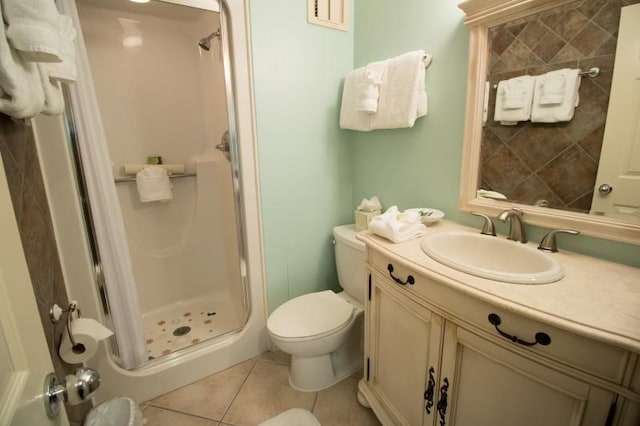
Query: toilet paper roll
[(87, 333)]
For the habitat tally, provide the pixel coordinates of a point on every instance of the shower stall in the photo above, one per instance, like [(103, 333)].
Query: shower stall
[(162, 96), (182, 286)]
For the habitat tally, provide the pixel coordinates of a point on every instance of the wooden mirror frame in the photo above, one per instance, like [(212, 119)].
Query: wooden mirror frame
[(480, 16)]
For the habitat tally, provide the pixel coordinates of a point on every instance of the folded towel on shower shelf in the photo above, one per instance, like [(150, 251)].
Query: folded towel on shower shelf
[(33, 29), (65, 70), (556, 96), (402, 97), (396, 226), (350, 117), (513, 100), (153, 184)]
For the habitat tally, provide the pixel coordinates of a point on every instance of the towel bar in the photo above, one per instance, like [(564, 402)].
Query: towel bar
[(175, 176), (591, 72)]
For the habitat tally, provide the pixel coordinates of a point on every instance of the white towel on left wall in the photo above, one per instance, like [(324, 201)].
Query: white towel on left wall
[(153, 184), (21, 90), (33, 29)]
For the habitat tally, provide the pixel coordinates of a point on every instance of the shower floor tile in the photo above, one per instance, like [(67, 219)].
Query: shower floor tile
[(187, 323)]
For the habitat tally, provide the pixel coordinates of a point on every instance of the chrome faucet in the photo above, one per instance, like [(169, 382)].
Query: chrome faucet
[(516, 227), (487, 227)]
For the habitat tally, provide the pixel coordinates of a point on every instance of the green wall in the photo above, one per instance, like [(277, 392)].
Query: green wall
[(304, 158), (420, 167), (313, 174)]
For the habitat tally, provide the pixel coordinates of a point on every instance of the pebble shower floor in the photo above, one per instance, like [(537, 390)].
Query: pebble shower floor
[(186, 323)]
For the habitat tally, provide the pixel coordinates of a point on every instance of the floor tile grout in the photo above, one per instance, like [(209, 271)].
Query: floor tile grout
[(255, 361), (182, 413)]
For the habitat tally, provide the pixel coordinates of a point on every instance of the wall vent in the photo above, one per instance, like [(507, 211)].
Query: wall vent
[(328, 13)]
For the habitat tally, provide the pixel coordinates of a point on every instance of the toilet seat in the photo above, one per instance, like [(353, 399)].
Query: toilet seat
[(310, 315)]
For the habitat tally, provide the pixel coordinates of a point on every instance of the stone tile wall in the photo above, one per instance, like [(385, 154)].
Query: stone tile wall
[(555, 162)]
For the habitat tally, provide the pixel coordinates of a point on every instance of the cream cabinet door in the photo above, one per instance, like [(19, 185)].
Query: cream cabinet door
[(488, 385), (403, 354)]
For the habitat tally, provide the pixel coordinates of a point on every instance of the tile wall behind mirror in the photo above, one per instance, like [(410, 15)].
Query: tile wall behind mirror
[(555, 164)]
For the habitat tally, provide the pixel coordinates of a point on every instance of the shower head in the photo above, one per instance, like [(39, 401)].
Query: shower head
[(205, 42)]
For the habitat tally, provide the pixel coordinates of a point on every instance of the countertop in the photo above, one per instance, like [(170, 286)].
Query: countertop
[(595, 298)]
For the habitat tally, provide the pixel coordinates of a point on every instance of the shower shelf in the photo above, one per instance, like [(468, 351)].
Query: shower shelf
[(174, 176)]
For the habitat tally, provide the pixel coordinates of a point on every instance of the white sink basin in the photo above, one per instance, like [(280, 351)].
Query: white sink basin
[(495, 258)]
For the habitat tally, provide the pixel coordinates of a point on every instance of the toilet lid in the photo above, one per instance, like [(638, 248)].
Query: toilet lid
[(310, 315)]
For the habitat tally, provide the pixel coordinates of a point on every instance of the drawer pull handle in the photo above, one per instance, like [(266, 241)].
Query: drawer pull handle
[(442, 404), (409, 280), (541, 338), (428, 394)]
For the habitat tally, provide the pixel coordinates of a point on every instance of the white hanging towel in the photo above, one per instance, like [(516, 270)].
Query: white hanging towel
[(66, 71), (397, 227), (153, 184), (368, 87), (402, 97), (556, 96), (53, 99), (32, 29), (350, 118), (21, 93), (514, 98)]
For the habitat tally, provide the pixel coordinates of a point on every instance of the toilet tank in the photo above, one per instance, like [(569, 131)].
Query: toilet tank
[(349, 254)]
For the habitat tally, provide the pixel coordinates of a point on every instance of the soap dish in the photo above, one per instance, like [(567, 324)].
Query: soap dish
[(427, 215)]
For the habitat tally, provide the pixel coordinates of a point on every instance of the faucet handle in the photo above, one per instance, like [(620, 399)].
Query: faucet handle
[(487, 227), (548, 242)]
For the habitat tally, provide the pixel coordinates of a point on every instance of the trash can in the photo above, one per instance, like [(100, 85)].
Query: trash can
[(117, 412)]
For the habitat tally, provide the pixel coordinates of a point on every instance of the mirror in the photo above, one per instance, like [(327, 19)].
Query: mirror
[(547, 169)]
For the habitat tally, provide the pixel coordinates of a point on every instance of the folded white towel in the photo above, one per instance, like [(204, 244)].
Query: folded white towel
[(514, 99), (402, 97), (66, 70), (32, 29), (368, 87), (21, 94), (153, 184), (556, 96), (397, 227), (350, 118)]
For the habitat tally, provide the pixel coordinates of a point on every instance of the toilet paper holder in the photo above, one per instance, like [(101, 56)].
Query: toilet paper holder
[(55, 313)]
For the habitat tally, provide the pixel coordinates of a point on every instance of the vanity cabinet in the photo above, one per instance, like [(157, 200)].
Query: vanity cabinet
[(432, 357)]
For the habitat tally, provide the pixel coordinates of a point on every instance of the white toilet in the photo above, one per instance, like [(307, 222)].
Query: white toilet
[(323, 331)]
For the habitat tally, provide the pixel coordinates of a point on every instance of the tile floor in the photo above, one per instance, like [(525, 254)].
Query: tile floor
[(252, 392)]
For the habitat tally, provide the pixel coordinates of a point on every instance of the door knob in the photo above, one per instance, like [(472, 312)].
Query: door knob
[(605, 189), (74, 390)]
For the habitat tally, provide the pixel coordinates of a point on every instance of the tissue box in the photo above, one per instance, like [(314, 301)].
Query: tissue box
[(363, 218)]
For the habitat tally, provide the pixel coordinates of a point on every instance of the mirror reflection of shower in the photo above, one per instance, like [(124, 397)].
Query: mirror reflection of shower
[(205, 42)]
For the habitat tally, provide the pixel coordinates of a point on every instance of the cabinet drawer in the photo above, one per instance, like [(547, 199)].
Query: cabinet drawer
[(581, 353)]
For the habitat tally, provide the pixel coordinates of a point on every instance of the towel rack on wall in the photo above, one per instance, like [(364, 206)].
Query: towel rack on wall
[(172, 176), (591, 72)]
